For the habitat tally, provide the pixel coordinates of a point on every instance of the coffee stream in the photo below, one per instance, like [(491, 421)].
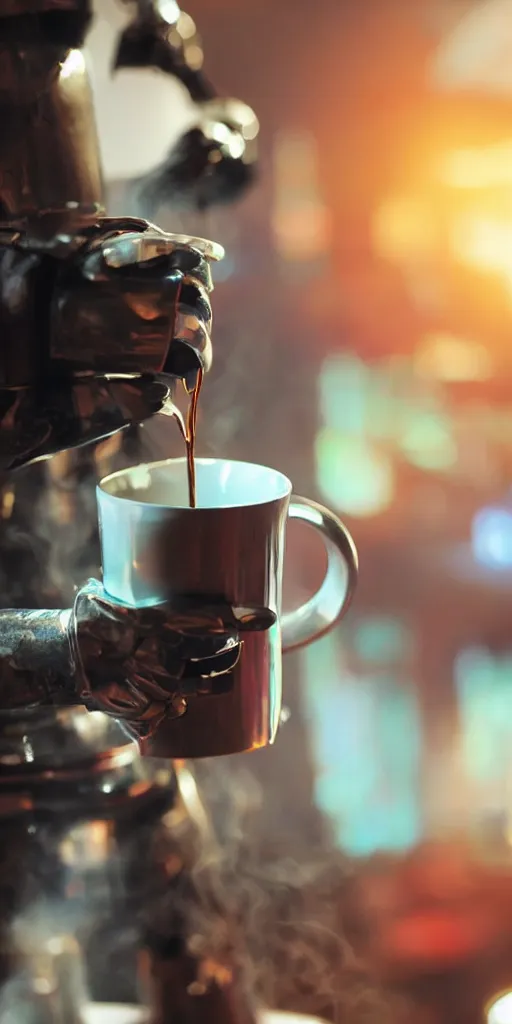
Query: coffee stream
[(188, 432), (190, 439)]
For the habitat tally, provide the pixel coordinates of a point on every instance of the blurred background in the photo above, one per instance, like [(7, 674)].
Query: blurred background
[(362, 345)]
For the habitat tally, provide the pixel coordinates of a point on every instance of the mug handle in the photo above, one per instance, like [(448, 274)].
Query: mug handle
[(327, 607)]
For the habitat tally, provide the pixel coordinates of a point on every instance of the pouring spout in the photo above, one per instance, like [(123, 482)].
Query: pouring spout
[(191, 349)]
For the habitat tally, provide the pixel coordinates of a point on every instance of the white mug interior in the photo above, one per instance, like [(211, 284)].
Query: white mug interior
[(220, 483)]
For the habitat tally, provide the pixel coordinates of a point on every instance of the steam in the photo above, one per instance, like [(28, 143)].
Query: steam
[(284, 911), (48, 986), (279, 915)]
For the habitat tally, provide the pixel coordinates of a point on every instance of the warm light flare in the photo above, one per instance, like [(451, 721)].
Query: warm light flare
[(481, 168), (457, 214), (74, 64), (446, 357), (500, 1012), (301, 230), (403, 227), (475, 55), (484, 243)]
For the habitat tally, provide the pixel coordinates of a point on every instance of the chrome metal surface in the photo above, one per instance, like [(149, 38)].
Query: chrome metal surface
[(103, 885), (81, 295), (89, 327), (98, 317), (214, 161), (161, 36), (49, 162), (35, 425), (35, 657), (139, 665), (116, 304)]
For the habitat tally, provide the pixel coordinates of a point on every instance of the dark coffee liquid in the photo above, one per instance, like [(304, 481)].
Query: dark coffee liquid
[(188, 432), (190, 438)]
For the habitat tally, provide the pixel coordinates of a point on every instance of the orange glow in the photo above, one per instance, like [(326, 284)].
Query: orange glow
[(457, 217), (446, 357), (404, 227), (87, 844), (8, 501), (480, 235), (301, 230), (301, 220), (484, 243), (481, 168)]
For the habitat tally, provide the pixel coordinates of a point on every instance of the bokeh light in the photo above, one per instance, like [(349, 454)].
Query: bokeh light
[(381, 639), (475, 56), (444, 356), (483, 683), (484, 242), (482, 167), (500, 1012), (301, 220), (428, 441), (366, 739), (403, 227), (491, 537), (344, 393), (353, 475)]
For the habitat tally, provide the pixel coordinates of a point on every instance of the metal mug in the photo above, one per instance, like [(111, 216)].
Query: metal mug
[(227, 553)]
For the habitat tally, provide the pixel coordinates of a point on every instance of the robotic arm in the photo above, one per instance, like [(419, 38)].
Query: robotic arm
[(99, 316)]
